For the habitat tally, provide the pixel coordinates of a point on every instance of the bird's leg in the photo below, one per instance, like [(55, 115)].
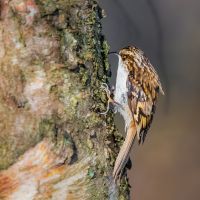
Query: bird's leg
[(104, 86)]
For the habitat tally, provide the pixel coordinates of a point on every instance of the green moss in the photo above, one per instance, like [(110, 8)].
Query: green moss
[(68, 39), (91, 173), (106, 49), (5, 146), (98, 191), (124, 189), (46, 128)]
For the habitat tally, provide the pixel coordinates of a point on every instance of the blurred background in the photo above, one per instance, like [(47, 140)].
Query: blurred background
[(167, 166)]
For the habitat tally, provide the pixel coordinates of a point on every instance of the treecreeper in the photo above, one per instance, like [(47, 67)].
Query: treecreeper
[(136, 91)]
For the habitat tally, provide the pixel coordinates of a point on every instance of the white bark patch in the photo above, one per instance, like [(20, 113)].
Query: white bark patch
[(26, 191), (36, 92), (14, 60), (20, 120), (17, 44)]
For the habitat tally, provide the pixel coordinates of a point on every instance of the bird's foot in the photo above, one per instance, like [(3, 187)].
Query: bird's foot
[(105, 87)]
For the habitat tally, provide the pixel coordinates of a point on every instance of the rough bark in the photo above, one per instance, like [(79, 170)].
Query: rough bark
[(53, 142)]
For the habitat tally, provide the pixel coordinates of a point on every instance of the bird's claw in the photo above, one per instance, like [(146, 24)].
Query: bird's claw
[(105, 87)]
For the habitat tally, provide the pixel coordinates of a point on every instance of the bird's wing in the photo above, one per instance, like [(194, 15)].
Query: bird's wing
[(144, 85)]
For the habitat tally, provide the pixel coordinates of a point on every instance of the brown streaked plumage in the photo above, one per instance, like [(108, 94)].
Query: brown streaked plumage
[(136, 92), (144, 86)]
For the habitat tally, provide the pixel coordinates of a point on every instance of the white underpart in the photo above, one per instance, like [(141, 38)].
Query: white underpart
[(121, 91)]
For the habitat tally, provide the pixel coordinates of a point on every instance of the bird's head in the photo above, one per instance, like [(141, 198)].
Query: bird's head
[(132, 53)]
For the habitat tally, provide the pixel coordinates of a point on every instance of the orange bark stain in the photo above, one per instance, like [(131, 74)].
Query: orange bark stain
[(7, 185)]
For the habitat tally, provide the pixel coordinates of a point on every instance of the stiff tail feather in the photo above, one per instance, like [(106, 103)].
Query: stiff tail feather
[(123, 155)]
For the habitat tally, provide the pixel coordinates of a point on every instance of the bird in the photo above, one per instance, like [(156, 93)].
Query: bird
[(135, 96)]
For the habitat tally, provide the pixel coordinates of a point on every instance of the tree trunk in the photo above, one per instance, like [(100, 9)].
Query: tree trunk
[(54, 144)]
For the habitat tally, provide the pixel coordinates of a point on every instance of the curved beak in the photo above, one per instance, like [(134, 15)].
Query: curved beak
[(113, 52)]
